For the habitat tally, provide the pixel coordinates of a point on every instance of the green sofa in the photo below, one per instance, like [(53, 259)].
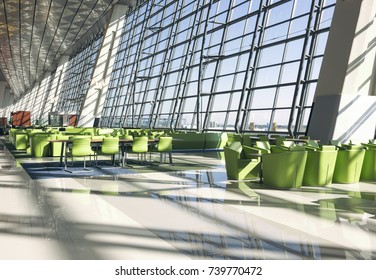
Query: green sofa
[(320, 166), (349, 164), (284, 169), (241, 162), (368, 172)]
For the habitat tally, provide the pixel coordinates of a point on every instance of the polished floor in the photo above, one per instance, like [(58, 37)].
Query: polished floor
[(195, 213)]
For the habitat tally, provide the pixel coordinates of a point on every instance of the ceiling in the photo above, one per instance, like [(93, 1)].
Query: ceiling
[(35, 33)]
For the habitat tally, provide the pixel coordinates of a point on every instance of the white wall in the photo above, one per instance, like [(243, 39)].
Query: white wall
[(345, 101)]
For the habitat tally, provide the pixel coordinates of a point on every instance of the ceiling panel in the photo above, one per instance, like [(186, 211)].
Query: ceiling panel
[(35, 33)]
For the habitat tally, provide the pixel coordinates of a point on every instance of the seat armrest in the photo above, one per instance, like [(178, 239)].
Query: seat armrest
[(249, 152), (309, 148), (262, 150), (279, 149)]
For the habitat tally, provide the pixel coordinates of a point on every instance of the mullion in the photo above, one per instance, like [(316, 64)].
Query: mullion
[(217, 68), (281, 71), (251, 73), (309, 57), (169, 52), (182, 87)]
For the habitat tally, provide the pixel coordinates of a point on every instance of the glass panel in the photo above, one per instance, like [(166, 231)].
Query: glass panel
[(261, 119), (263, 98), (272, 55), (289, 72), (254, 58), (285, 96), (280, 13), (220, 102), (281, 118), (267, 76), (294, 50)]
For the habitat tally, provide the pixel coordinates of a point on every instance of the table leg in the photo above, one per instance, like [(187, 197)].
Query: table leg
[(261, 176), (62, 153)]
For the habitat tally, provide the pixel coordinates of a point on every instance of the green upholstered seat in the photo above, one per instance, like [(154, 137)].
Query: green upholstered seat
[(247, 140), (368, 172), (188, 141), (349, 164), (284, 169), (215, 140), (20, 140), (312, 144), (40, 145), (126, 137), (56, 146), (263, 146), (140, 146), (320, 166), (164, 147), (335, 142), (263, 137), (81, 147), (240, 162), (110, 146)]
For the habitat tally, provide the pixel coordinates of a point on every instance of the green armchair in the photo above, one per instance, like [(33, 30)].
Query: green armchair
[(349, 164), (320, 166), (241, 161), (40, 145), (263, 146), (20, 139), (368, 172), (56, 146), (284, 169)]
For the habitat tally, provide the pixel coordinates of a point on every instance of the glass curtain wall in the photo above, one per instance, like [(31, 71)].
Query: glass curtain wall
[(78, 76), (218, 65)]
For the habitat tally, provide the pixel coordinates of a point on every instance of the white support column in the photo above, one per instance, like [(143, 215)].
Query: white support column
[(2, 94), (345, 101), (7, 102), (2, 99), (94, 101)]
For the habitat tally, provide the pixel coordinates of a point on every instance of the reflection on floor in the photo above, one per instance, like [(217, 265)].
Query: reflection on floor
[(187, 214)]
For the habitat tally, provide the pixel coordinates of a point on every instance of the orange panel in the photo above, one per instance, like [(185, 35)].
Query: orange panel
[(21, 118)]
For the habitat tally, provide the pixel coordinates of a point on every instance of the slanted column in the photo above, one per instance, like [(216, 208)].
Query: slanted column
[(2, 94), (345, 101), (94, 101), (57, 83)]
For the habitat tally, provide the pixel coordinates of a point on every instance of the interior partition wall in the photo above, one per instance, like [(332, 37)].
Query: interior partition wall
[(218, 65)]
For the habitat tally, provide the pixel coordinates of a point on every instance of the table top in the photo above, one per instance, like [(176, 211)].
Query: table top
[(98, 140)]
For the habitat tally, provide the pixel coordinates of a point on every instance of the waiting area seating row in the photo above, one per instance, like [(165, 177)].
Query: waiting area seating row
[(37, 140), (288, 165)]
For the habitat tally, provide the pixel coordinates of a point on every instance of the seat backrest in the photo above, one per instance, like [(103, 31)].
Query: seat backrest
[(126, 137), (328, 148), (279, 140), (335, 142), (288, 143), (263, 137), (81, 147), (355, 142), (312, 143), (140, 144), (263, 145), (356, 147), (110, 145), (164, 144)]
